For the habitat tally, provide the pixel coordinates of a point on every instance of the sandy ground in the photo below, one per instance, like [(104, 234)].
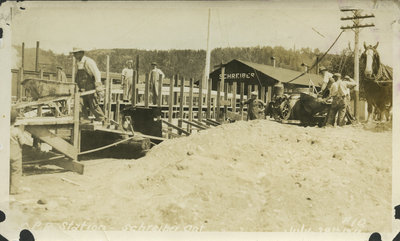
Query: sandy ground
[(245, 176)]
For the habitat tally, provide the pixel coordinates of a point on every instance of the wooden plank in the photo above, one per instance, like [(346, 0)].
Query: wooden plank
[(19, 81), (41, 74), (53, 140), (190, 102), (200, 108), (176, 127), (45, 121), (176, 93), (248, 91), (234, 90), (215, 122), (209, 87), (146, 91), (193, 124), (218, 100)]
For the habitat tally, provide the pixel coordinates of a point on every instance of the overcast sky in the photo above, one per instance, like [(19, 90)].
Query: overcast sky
[(60, 26)]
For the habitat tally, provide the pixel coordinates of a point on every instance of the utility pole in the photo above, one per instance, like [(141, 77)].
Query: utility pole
[(356, 18)]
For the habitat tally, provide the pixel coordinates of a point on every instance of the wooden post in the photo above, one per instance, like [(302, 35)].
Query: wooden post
[(73, 70), (182, 85), (108, 89), (269, 94), (234, 90), (176, 85), (37, 57), (226, 85), (200, 110), (41, 74), (75, 131), (209, 85), (50, 76), (190, 103), (248, 91), (160, 85), (218, 100), (170, 104), (19, 81), (23, 55), (117, 108), (263, 93), (255, 87), (137, 77), (146, 91), (134, 95), (241, 98)]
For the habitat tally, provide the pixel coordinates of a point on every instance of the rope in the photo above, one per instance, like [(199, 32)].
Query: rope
[(105, 147), (315, 64)]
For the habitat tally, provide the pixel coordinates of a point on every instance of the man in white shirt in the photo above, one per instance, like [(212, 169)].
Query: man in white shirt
[(126, 80), (88, 77), (338, 92), (154, 80), (327, 81)]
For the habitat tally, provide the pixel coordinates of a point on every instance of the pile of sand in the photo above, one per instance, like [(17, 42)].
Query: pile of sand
[(245, 176)]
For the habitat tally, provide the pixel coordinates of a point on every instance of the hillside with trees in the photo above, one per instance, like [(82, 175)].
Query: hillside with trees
[(190, 63)]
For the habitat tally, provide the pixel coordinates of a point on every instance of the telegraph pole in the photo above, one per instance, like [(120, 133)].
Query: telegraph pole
[(356, 18)]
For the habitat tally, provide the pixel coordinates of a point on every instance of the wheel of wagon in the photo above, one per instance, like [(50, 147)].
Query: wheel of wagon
[(285, 110)]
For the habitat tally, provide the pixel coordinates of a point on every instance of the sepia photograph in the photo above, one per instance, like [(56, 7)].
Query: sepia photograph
[(186, 116)]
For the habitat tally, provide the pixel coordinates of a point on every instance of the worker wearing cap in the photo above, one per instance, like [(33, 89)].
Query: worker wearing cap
[(88, 77), (255, 108), (154, 81), (338, 92), (61, 74), (326, 82), (126, 80)]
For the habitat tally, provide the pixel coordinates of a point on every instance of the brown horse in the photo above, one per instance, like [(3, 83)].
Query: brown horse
[(376, 81)]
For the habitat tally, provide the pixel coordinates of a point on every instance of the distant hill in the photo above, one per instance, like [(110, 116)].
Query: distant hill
[(189, 63)]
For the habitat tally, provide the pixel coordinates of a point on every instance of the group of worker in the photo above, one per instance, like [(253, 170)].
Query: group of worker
[(88, 77), (333, 88), (337, 89)]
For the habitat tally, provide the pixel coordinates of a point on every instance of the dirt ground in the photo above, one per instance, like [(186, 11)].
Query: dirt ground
[(245, 176)]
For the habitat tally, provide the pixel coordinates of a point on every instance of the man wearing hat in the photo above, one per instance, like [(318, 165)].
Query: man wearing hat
[(126, 80), (154, 80), (338, 92), (88, 77), (327, 81), (255, 108)]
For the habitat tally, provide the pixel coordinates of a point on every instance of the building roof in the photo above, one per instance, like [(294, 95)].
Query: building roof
[(268, 74)]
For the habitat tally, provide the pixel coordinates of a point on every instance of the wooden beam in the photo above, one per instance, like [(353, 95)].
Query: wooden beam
[(41, 74), (23, 55), (19, 81), (37, 57), (191, 123), (209, 86), (176, 127), (213, 121), (200, 108), (146, 91), (69, 165), (210, 123), (73, 70), (45, 121), (182, 85), (201, 124), (190, 102), (53, 140), (118, 108)]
